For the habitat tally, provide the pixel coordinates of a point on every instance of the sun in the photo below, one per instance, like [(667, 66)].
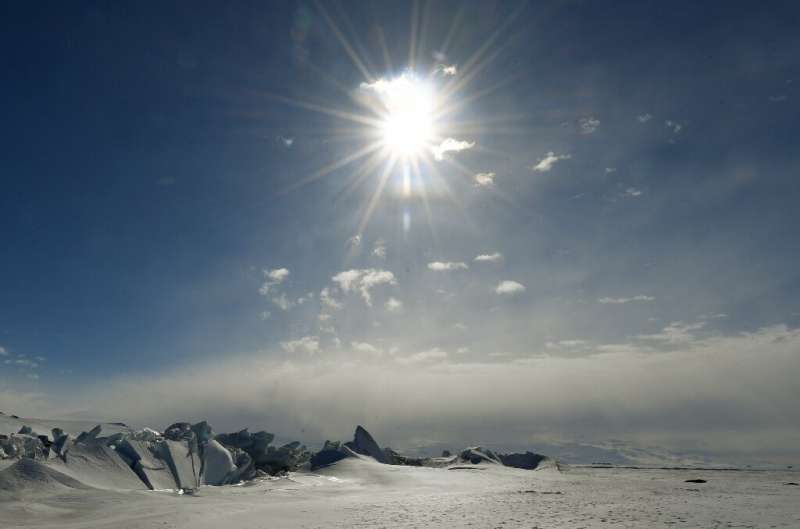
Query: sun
[(407, 124)]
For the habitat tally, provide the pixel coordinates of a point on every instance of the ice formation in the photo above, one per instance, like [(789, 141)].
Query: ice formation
[(186, 456)]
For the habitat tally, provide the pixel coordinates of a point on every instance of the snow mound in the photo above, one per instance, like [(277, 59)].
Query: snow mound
[(28, 475)]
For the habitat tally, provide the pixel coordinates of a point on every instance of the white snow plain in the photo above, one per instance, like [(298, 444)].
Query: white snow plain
[(94, 491), (359, 492)]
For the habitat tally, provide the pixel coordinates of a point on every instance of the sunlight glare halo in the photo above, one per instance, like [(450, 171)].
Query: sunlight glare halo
[(407, 127)]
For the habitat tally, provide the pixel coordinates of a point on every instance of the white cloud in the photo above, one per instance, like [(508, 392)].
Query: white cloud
[(677, 332), (610, 170), (431, 355), (22, 362), (283, 302), (620, 301), (484, 179), (363, 280), (327, 299), (588, 125), (546, 163), (354, 242), (674, 125), (632, 192), (265, 315), (446, 266), (379, 250), (451, 145), (306, 344), (3, 351), (508, 287), (364, 347), (394, 305), (272, 278), (460, 326), (489, 258), (287, 141), (644, 118), (567, 344), (446, 69)]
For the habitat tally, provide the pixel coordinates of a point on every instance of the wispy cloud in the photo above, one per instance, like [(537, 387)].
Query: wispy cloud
[(674, 126), (644, 118), (484, 179), (677, 332), (620, 301), (451, 145), (363, 280), (588, 125), (546, 163), (306, 344), (489, 257), (446, 69), (431, 355), (272, 278), (328, 300), (364, 347), (632, 192), (393, 305), (509, 287), (447, 266), (283, 302), (379, 249), (3, 351)]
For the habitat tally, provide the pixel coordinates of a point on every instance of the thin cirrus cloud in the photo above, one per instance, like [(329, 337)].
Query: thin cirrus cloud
[(622, 301), (451, 145), (447, 266), (546, 164), (509, 288), (484, 179), (489, 257)]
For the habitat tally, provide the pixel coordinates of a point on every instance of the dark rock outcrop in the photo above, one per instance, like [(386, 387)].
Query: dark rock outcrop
[(527, 460), (364, 444)]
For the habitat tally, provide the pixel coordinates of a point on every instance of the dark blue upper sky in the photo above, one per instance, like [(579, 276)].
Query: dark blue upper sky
[(642, 191)]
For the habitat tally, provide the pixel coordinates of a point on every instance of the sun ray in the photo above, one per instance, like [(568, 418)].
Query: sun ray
[(347, 160), (384, 177), (412, 46), (350, 116), (368, 77)]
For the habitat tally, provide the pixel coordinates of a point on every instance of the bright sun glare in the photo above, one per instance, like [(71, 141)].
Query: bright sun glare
[(407, 127)]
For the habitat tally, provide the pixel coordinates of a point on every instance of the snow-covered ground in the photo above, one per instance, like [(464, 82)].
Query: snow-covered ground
[(362, 493)]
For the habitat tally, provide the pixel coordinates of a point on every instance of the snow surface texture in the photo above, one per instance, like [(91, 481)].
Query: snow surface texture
[(102, 481), (359, 492)]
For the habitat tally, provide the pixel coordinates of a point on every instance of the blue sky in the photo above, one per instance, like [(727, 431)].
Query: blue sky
[(628, 174)]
